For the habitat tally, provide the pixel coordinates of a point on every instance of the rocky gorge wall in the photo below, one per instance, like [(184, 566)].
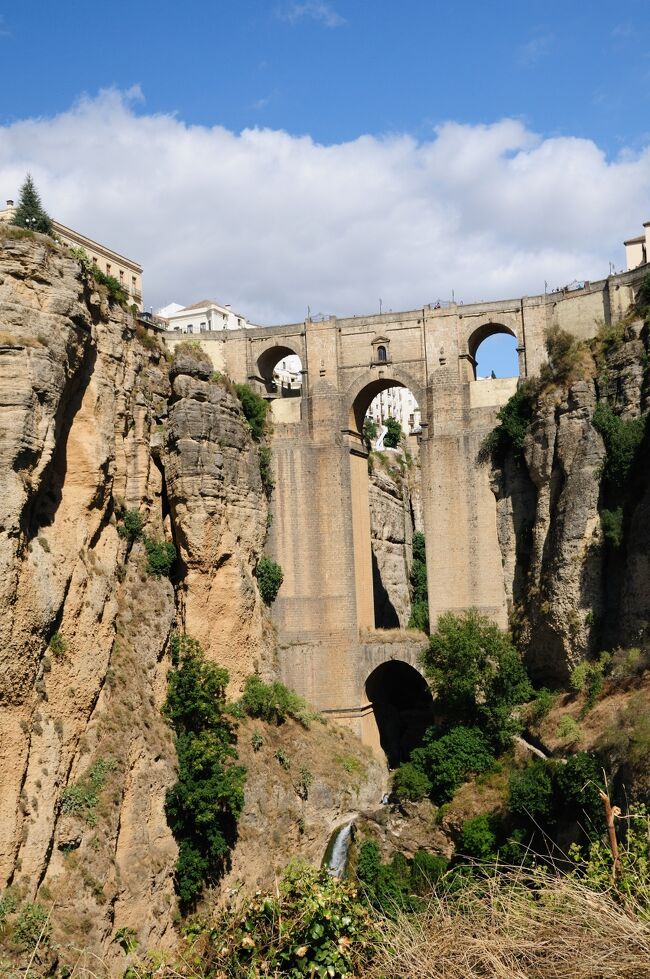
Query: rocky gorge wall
[(92, 424), (571, 592)]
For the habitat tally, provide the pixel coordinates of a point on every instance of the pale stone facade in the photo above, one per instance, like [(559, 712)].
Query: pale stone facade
[(398, 403), (637, 250), (127, 272)]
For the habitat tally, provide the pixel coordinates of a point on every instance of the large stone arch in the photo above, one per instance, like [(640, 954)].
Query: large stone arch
[(360, 393)]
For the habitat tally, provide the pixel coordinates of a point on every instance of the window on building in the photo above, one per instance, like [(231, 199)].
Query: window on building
[(121, 277), (190, 328), (108, 268), (381, 354), (133, 283), (178, 329), (238, 321), (202, 327)]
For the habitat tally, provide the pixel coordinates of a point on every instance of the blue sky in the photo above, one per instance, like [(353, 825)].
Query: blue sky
[(337, 70), (325, 154)]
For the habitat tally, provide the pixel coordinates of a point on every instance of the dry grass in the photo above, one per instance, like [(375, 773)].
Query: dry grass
[(517, 927)]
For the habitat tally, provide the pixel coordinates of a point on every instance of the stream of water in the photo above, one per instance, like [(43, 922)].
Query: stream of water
[(338, 848)]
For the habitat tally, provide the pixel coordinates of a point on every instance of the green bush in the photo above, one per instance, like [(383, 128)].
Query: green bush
[(626, 664), (568, 730), (611, 522), (269, 578), (255, 409), (58, 645), (266, 472), (622, 438), (450, 760), (410, 783), (160, 557), (477, 675), (131, 525), (32, 926), (369, 431), (203, 806), (531, 791), (393, 436), (81, 798), (8, 905), (477, 839), (273, 702), (594, 862), (589, 678)]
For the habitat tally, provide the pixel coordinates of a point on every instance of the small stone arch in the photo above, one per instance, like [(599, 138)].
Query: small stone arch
[(362, 391), (483, 332), (403, 707), (270, 356)]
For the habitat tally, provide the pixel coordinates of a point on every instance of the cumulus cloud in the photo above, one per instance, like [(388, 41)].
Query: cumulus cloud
[(273, 223), (316, 10)]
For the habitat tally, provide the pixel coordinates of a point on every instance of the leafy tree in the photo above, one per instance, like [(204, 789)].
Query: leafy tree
[(203, 806), (269, 578), (30, 212), (255, 409), (477, 674), (393, 436), (622, 438), (450, 760)]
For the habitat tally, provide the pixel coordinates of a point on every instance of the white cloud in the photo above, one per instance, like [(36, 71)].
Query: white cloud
[(530, 53), (311, 10), (272, 222)]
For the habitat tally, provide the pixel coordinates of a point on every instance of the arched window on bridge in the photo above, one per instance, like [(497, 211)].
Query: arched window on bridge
[(382, 357), (494, 350), (403, 708)]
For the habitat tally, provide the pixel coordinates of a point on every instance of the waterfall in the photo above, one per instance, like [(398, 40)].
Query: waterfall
[(336, 854)]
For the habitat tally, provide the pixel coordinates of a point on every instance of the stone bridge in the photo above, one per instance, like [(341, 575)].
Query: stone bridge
[(320, 532)]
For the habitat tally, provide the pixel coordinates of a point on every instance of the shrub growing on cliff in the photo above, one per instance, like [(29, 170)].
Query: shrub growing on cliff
[(410, 783), (81, 798), (266, 473), (255, 409), (269, 578), (203, 806), (514, 419), (131, 525), (622, 438), (160, 557), (477, 674), (273, 702)]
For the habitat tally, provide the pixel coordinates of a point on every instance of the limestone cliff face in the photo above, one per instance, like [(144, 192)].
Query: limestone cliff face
[(219, 513), (90, 424), (570, 594), (392, 522)]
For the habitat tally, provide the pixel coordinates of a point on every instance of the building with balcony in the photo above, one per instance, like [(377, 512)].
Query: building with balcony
[(637, 250), (127, 272)]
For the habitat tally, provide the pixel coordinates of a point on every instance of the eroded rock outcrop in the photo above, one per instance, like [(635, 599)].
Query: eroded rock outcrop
[(570, 593)]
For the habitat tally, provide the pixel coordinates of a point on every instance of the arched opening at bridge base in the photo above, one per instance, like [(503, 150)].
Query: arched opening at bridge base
[(403, 708)]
